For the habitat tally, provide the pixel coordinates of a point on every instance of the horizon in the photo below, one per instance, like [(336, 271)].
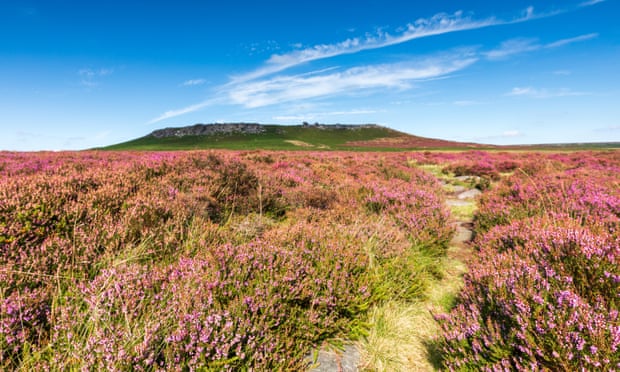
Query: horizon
[(78, 76)]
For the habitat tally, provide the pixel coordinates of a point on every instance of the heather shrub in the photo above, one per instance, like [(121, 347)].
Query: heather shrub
[(249, 306), (24, 320), (419, 211), (585, 198), (319, 198), (481, 169), (542, 293), (213, 260), (542, 297), (506, 166)]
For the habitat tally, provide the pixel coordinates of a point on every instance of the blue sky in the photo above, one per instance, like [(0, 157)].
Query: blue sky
[(79, 74)]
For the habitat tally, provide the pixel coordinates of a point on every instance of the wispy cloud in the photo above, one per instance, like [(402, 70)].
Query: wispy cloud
[(591, 2), (90, 77), (266, 86), (185, 110), (544, 93), (441, 23), (521, 45), (511, 133), (518, 91), (327, 82), (571, 40), (192, 82), (281, 89), (513, 46)]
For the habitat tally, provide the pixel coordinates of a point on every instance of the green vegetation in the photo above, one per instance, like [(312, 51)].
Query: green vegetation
[(276, 137), (324, 137)]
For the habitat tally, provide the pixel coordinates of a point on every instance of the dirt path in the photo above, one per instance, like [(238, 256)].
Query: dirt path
[(463, 222)]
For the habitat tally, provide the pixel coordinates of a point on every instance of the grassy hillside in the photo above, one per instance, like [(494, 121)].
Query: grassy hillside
[(298, 137), (326, 137)]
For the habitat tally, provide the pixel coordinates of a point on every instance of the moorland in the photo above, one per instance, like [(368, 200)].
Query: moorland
[(251, 258)]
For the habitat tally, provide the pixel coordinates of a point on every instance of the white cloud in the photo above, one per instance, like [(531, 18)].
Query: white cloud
[(529, 12), (591, 2), (518, 91), (292, 88), (258, 88), (184, 110), (571, 40), (544, 93), (87, 72), (193, 82), (511, 133), (513, 46), (521, 45), (438, 24), (562, 72), (326, 82), (90, 77)]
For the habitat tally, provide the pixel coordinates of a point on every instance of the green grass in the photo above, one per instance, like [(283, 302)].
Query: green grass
[(298, 137), (464, 212), (403, 334), (275, 137)]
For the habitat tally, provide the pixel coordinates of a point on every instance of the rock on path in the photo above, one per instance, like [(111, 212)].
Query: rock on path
[(469, 194), (346, 360)]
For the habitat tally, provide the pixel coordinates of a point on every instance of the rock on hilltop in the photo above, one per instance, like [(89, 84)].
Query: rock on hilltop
[(240, 128), (209, 129)]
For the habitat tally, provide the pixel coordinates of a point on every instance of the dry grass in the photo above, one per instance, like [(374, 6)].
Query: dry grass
[(299, 143), (402, 335), (395, 342), (464, 212)]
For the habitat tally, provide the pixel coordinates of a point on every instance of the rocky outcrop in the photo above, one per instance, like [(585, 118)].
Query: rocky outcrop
[(340, 126), (242, 128), (209, 129)]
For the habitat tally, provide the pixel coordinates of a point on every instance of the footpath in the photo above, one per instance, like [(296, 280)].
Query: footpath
[(461, 202)]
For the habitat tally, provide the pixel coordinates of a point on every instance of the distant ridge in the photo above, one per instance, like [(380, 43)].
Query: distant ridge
[(317, 136)]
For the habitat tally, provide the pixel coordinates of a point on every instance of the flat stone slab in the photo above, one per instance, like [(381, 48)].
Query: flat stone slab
[(346, 360), (458, 203), (469, 194), (456, 189), (463, 233)]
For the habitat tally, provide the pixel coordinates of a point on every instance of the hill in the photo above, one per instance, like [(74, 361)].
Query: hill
[(250, 136)]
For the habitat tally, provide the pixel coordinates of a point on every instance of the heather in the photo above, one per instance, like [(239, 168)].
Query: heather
[(543, 286), (248, 260), (218, 260)]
